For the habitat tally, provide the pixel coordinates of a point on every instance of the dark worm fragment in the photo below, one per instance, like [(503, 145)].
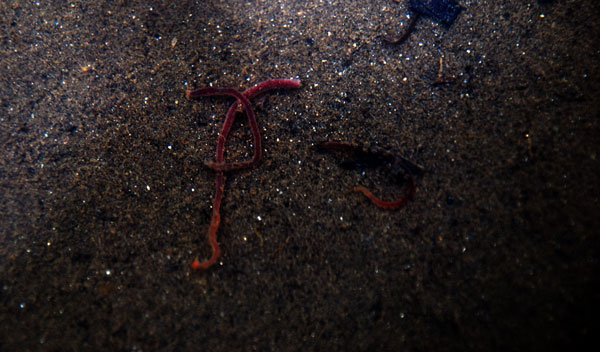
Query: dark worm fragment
[(443, 11)]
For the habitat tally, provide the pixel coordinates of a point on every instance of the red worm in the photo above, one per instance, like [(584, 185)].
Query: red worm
[(220, 179), (410, 194), (375, 157), (219, 164), (251, 93)]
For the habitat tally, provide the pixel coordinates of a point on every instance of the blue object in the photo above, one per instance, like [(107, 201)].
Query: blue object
[(444, 11)]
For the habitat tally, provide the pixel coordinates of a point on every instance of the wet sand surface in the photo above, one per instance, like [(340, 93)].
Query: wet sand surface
[(105, 199)]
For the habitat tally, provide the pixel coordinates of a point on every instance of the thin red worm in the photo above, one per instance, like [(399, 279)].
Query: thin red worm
[(220, 179), (251, 93), (219, 165), (410, 193), (398, 160)]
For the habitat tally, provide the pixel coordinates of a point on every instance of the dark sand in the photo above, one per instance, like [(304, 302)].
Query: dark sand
[(105, 201)]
